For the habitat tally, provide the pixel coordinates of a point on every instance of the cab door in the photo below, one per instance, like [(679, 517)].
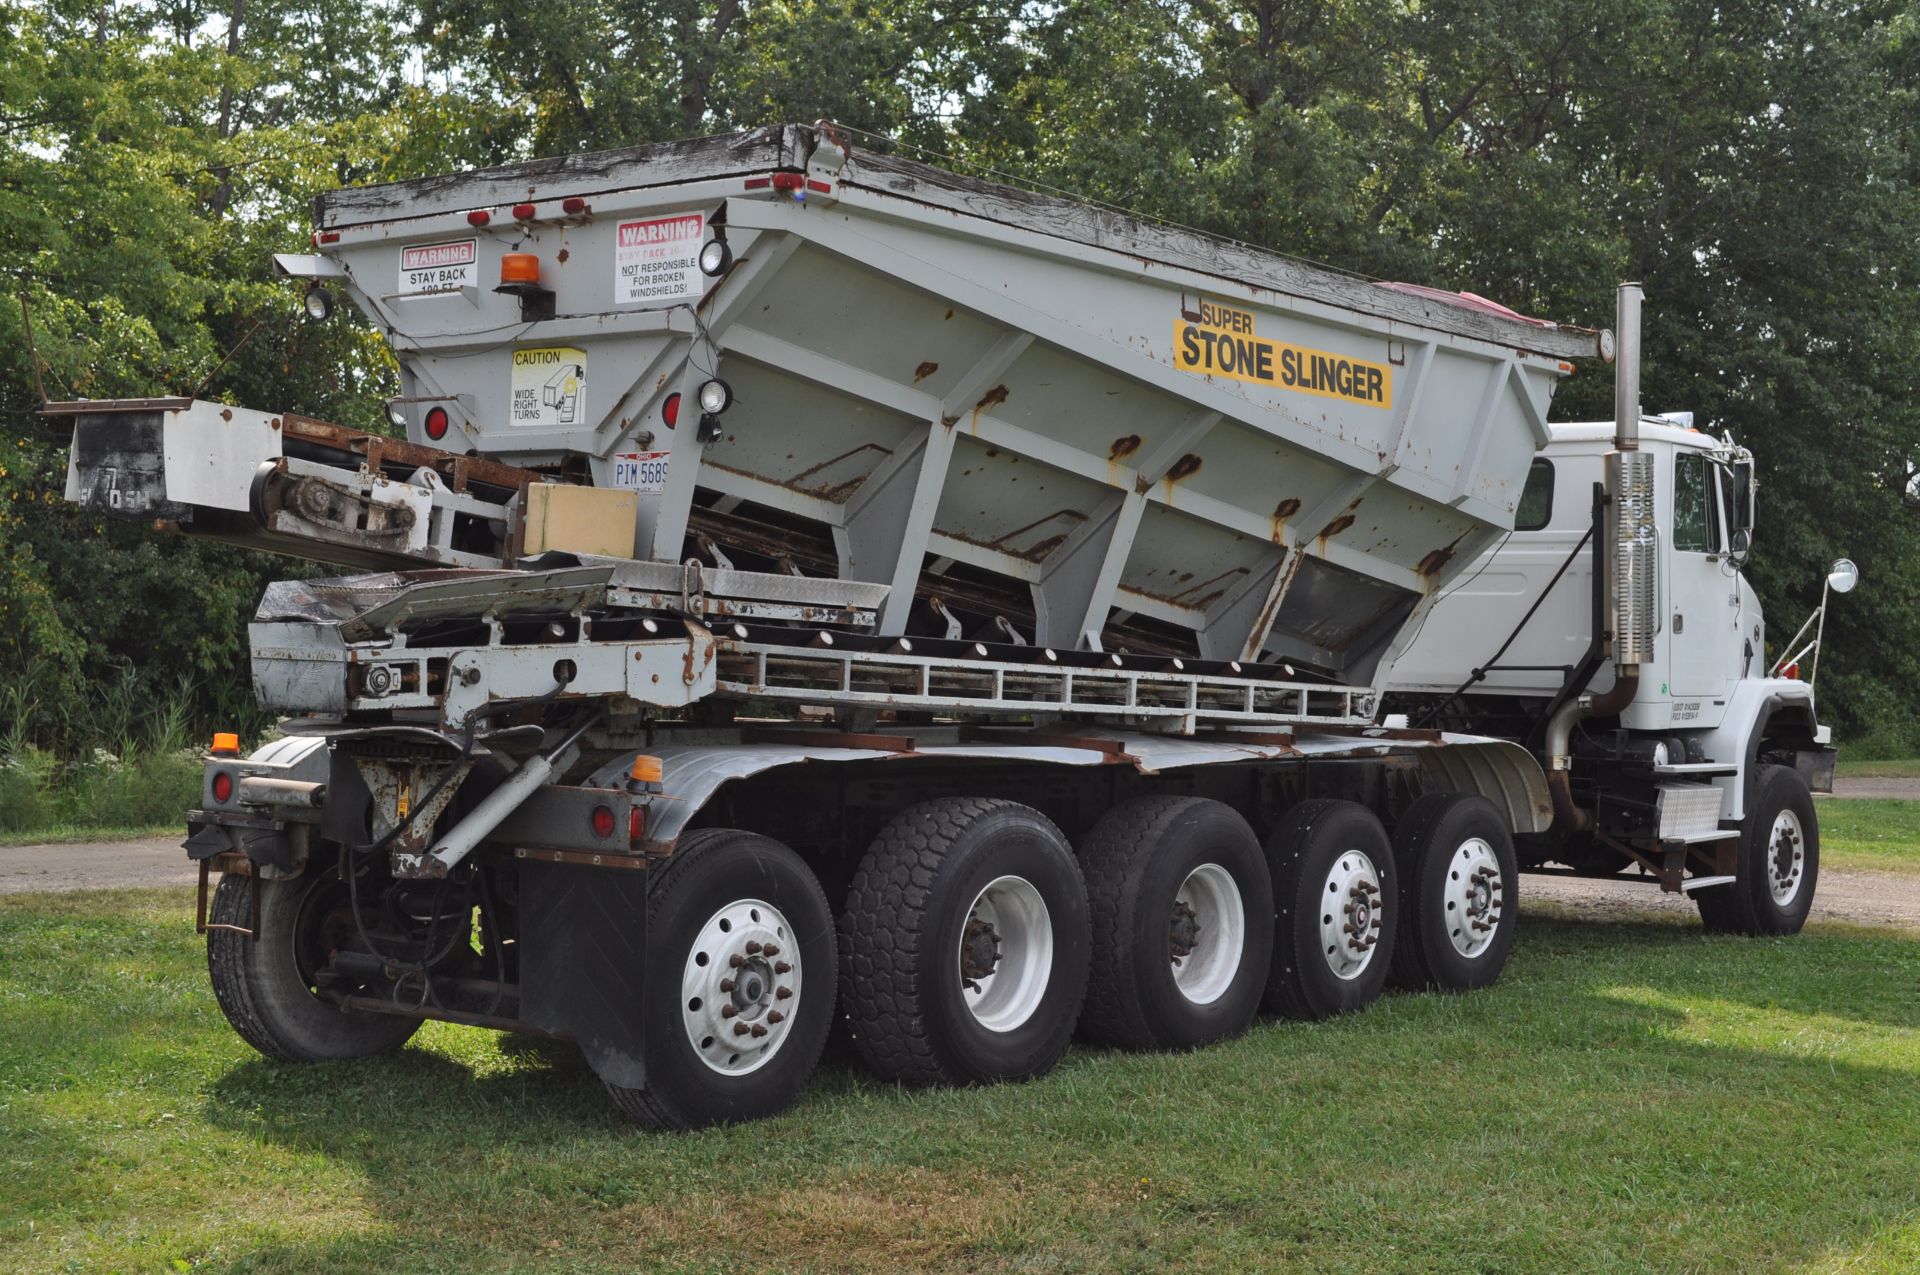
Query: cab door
[(1702, 589)]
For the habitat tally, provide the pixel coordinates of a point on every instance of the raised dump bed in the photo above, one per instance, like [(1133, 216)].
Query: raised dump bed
[(1034, 421)]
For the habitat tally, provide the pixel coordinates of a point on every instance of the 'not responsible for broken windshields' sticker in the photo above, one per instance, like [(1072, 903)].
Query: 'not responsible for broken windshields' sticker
[(657, 262)]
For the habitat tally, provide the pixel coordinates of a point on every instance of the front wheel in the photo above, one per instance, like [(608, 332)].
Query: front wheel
[(1778, 862), (266, 985)]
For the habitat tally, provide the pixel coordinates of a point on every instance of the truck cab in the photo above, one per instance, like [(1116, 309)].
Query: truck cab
[(1523, 618)]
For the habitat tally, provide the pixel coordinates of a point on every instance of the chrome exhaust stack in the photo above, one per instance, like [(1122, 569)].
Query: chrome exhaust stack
[(1633, 542)]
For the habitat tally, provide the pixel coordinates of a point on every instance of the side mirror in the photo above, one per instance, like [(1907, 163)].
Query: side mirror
[(1843, 575), (1743, 497), (1741, 543)]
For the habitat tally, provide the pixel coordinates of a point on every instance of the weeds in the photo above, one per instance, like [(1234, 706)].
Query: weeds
[(133, 758)]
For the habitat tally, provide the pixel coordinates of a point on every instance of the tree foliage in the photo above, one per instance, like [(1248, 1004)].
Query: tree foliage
[(1755, 164)]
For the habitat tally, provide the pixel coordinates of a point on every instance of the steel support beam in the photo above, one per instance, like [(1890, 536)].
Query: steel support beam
[(889, 519)]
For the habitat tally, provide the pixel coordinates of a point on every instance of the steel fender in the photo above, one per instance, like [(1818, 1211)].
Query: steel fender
[(302, 758), (1754, 703), (1504, 773)]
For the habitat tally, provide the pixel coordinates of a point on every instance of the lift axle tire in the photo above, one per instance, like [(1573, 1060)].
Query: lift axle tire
[(261, 984), (726, 894), (967, 941), (1336, 894), (1459, 893), (1777, 864), (1182, 912)]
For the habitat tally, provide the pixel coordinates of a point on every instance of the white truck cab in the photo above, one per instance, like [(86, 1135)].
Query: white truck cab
[(1706, 695)]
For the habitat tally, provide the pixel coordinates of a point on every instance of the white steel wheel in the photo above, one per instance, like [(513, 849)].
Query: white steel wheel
[(1474, 896), (1786, 857), (740, 989), (1351, 915), (1207, 934), (1005, 954)]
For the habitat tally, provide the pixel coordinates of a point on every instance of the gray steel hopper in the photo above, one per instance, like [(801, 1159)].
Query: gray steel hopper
[(1031, 418)]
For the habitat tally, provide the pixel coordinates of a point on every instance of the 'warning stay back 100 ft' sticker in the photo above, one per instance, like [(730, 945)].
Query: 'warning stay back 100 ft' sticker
[(549, 387), (657, 262)]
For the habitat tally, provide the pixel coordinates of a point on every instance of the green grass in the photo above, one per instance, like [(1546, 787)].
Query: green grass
[(1633, 1096), (66, 833), (1894, 768), (1860, 832)]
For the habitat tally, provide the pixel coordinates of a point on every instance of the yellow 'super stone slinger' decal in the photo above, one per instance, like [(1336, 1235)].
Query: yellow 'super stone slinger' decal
[(1224, 343)]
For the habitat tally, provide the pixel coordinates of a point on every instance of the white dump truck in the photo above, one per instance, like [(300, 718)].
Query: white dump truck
[(809, 590)]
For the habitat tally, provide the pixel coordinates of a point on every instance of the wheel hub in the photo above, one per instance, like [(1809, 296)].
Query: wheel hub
[(1474, 895), (979, 952), (1786, 858), (740, 987), (1184, 934), (1352, 919), (1005, 953)]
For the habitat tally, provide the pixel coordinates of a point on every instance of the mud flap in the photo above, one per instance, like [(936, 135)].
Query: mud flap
[(583, 949)]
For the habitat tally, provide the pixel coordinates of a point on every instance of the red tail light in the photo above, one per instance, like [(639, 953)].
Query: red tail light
[(636, 823), (574, 206), (436, 423), (602, 821), (670, 410), (223, 787), (479, 217), (523, 212)]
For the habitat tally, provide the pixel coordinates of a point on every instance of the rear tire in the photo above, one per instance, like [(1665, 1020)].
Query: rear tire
[(727, 895), (1336, 895), (1459, 885), (262, 983), (967, 941), (1778, 862), (1182, 924)]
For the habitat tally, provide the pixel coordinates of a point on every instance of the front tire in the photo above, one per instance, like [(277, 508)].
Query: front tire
[(1459, 886), (1778, 863), (264, 984), (1182, 924), (1336, 893), (740, 960), (967, 941)]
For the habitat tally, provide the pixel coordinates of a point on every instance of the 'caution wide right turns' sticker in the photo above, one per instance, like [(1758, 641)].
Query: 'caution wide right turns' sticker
[(549, 387)]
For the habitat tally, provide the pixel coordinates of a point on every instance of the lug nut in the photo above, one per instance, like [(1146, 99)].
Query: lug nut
[(736, 961), (781, 967), (775, 1016), (728, 1011), (783, 993), (771, 949), (726, 984), (753, 949), (741, 1029), (758, 1030)]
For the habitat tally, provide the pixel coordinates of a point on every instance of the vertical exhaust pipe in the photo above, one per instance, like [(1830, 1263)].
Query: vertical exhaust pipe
[(1626, 367), (1633, 541)]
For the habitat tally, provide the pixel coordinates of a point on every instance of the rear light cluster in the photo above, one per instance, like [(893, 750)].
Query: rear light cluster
[(223, 787), (604, 822)]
